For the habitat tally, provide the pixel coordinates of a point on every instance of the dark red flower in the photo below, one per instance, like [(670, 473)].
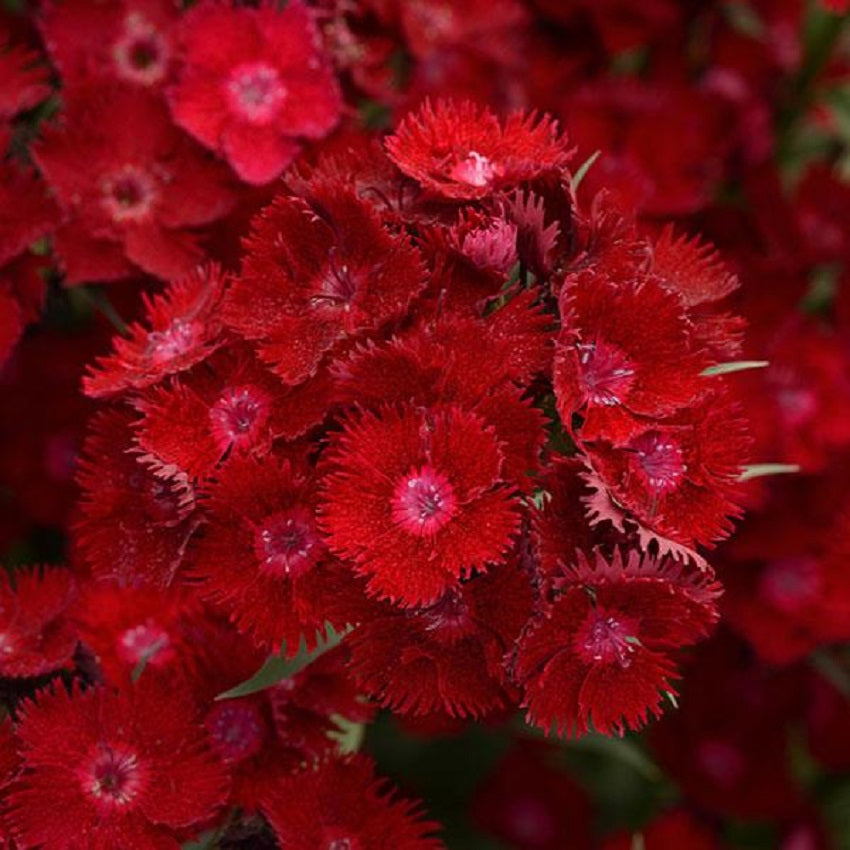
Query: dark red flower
[(531, 804), (133, 188), (279, 730), (599, 657), (24, 80), (316, 273), (26, 212), (11, 324), (414, 499), (254, 81), (672, 830), (262, 516), (36, 634), (131, 41), (448, 656), (229, 404), (183, 328), (136, 517), (125, 769), (341, 804), (461, 151)]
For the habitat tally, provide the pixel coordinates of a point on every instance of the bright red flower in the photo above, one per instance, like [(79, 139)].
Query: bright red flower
[(132, 187), (36, 634), (183, 328), (447, 656), (461, 151), (24, 80), (136, 517), (318, 272), (414, 498), (262, 516), (229, 404), (131, 41), (676, 479), (599, 657), (254, 81), (623, 357), (341, 804), (125, 769)]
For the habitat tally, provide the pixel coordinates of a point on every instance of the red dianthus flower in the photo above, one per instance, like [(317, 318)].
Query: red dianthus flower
[(463, 152), (598, 658), (132, 187), (126, 769), (414, 498), (254, 81), (341, 804)]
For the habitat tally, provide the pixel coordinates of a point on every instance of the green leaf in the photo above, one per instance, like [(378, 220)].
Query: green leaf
[(204, 842), (146, 656), (733, 366), (835, 673), (743, 18), (760, 470), (575, 182), (276, 668), (622, 750)]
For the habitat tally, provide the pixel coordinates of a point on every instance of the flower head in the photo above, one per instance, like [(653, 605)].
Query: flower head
[(254, 81)]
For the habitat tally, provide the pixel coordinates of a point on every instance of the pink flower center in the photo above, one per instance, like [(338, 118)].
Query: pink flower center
[(790, 584), (255, 92), (474, 169), (287, 544), (607, 373), (140, 54), (720, 761), (660, 458), (493, 246), (423, 502), (335, 838), (129, 194), (237, 729), (337, 285), (239, 416), (605, 639), (148, 640), (113, 777), (530, 821), (178, 338)]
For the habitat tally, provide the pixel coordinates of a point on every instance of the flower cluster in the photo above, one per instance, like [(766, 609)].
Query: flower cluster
[(448, 346)]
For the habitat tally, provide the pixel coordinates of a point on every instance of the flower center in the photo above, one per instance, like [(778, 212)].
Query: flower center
[(336, 286), (140, 55), (721, 761), (237, 729), (148, 640), (660, 458), (606, 373), (531, 822), (790, 584), (606, 639), (335, 838), (287, 544), (178, 338), (474, 169), (238, 417), (113, 777), (493, 246), (129, 194), (255, 92), (424, 501)]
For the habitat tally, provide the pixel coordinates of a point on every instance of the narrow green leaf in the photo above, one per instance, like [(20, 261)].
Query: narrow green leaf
[(204, 842), (348, 735), (759, 470), (622, 750), (582, 171), (638, 842), (827, 665), (733, 366), (276, 668), (146, 656)]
